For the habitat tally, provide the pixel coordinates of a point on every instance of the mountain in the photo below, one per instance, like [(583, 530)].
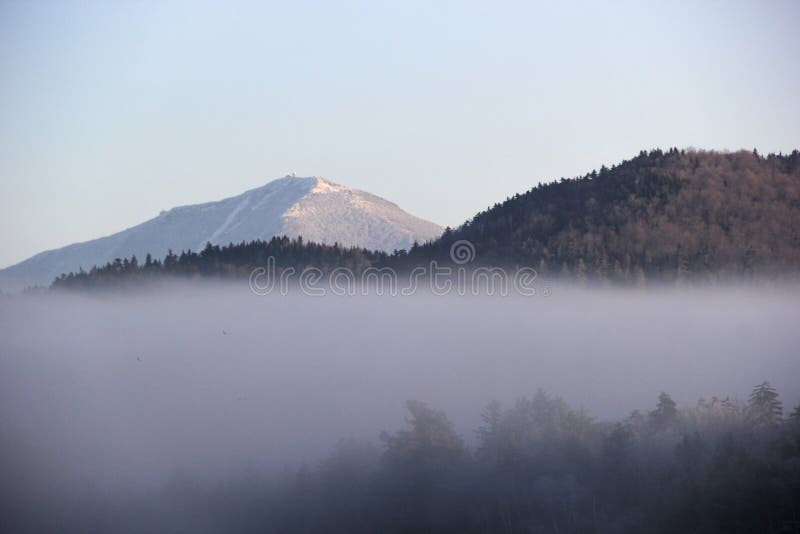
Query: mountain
[(690, 214), (663, 216), (314, 208)]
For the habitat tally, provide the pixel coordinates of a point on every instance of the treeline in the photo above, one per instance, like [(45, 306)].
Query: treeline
[(537, 466), (230, 261), (669, 216)]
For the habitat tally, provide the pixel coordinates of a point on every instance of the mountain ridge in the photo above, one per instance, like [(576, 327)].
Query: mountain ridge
[(674, 214), (312, 207)]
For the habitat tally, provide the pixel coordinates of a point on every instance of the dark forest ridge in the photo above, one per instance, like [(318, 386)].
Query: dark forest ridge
[(668, 216)]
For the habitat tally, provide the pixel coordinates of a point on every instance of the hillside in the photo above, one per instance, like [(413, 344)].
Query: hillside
[(665, 215)]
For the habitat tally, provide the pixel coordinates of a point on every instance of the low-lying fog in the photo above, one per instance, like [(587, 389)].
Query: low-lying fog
[(121, 390)]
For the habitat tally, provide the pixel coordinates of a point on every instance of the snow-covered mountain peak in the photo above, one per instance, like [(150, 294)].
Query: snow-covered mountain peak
[(326, 186), (312, 207)]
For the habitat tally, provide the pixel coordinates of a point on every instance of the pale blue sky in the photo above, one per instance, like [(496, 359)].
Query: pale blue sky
[(113, 111)]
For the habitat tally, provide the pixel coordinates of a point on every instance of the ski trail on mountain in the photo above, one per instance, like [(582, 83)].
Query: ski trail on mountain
[(226, 224)]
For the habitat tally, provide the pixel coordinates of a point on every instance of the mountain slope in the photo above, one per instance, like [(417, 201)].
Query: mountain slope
[(314, 208), (665, 215)]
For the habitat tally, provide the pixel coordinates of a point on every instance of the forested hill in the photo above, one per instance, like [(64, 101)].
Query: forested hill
[(665, 216), (661, 215)]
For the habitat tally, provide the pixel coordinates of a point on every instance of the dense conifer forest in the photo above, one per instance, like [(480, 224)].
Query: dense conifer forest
[(667, 216), (230, 261), (661, 215)]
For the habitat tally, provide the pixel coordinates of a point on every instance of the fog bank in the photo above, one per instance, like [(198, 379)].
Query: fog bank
[(214, 381)]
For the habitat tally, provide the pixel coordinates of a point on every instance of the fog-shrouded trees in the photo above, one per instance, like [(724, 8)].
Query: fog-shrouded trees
[(764, 407), (430, 440), (665, 412), (537, 465), (424, 467)]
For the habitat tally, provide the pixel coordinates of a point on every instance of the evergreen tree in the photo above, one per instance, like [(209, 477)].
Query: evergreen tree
[(489, 433), (764, 407), (665, 412), (431, 438)]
